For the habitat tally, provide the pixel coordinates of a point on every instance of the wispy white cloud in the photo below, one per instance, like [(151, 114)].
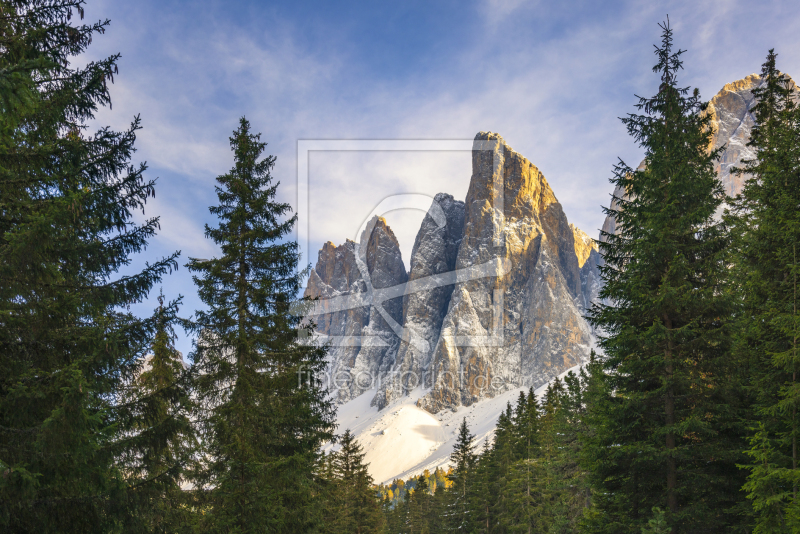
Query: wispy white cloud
[(497, 11), (552, 78)]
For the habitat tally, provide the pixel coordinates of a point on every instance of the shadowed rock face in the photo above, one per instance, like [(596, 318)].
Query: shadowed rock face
[(425, 306), (464, 337), (337, 273)]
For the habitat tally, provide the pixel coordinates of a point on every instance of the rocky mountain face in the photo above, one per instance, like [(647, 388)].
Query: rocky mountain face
[(426, 301), (364, 341), (498, 284), (523, 325), (589, 261), (494, 299), (732, 120)]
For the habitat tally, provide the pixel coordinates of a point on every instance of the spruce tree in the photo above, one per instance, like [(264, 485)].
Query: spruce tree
[(159, 449), (658, 524), (264, 413), (523, 512), (420, 507), (404, 511), (504, 455), (548, 482), (481, 509), (670, 435), (391, 513), (573, 432), (354, 501), (766, 221), (440, 520), (68, 344), (461, 492), (328, 489)]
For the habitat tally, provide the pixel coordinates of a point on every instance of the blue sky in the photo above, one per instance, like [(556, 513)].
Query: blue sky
[(551, 77)]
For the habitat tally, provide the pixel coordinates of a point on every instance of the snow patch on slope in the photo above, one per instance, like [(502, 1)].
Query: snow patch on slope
[(403, 440)]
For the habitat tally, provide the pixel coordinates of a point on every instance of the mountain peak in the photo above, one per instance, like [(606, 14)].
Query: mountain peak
[(732, 120), (583, 244), (495, 297)]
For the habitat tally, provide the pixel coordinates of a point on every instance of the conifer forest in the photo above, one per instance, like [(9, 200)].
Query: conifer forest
[(684, 419)]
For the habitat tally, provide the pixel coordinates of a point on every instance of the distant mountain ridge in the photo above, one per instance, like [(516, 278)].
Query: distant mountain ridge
[(438, 249), (473, 338), (444, 337)]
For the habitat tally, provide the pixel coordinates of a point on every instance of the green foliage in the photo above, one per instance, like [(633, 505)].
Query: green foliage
[(545, 487), (668, 433), (102, 425), (461, 492), (264, 414), (658, 523), (66, 229), (527, 480), (420, 511), (161, 442), (352, 500), (769, 485), (766, 221)]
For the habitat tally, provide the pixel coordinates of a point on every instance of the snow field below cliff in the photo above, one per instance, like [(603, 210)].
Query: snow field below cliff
[(403, 440)]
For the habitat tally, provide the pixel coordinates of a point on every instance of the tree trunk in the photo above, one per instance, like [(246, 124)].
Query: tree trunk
[(794, 371), (241, 305), (669, 413)]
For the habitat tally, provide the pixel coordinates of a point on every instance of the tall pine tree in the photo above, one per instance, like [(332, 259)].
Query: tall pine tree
[(521, 482), (66, 229), (485, 480), (353, 500), (420, 508), (461, 493), (264, 412), (766, 219), (669, 437), (160, 444)]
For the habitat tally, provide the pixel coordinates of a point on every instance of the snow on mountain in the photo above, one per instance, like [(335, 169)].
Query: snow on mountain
[(437, 344), (403, 440)]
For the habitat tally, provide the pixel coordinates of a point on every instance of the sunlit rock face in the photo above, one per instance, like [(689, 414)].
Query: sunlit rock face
[(495, 297), (499, 284), (732, 120), (523, 326), (589, 261)]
